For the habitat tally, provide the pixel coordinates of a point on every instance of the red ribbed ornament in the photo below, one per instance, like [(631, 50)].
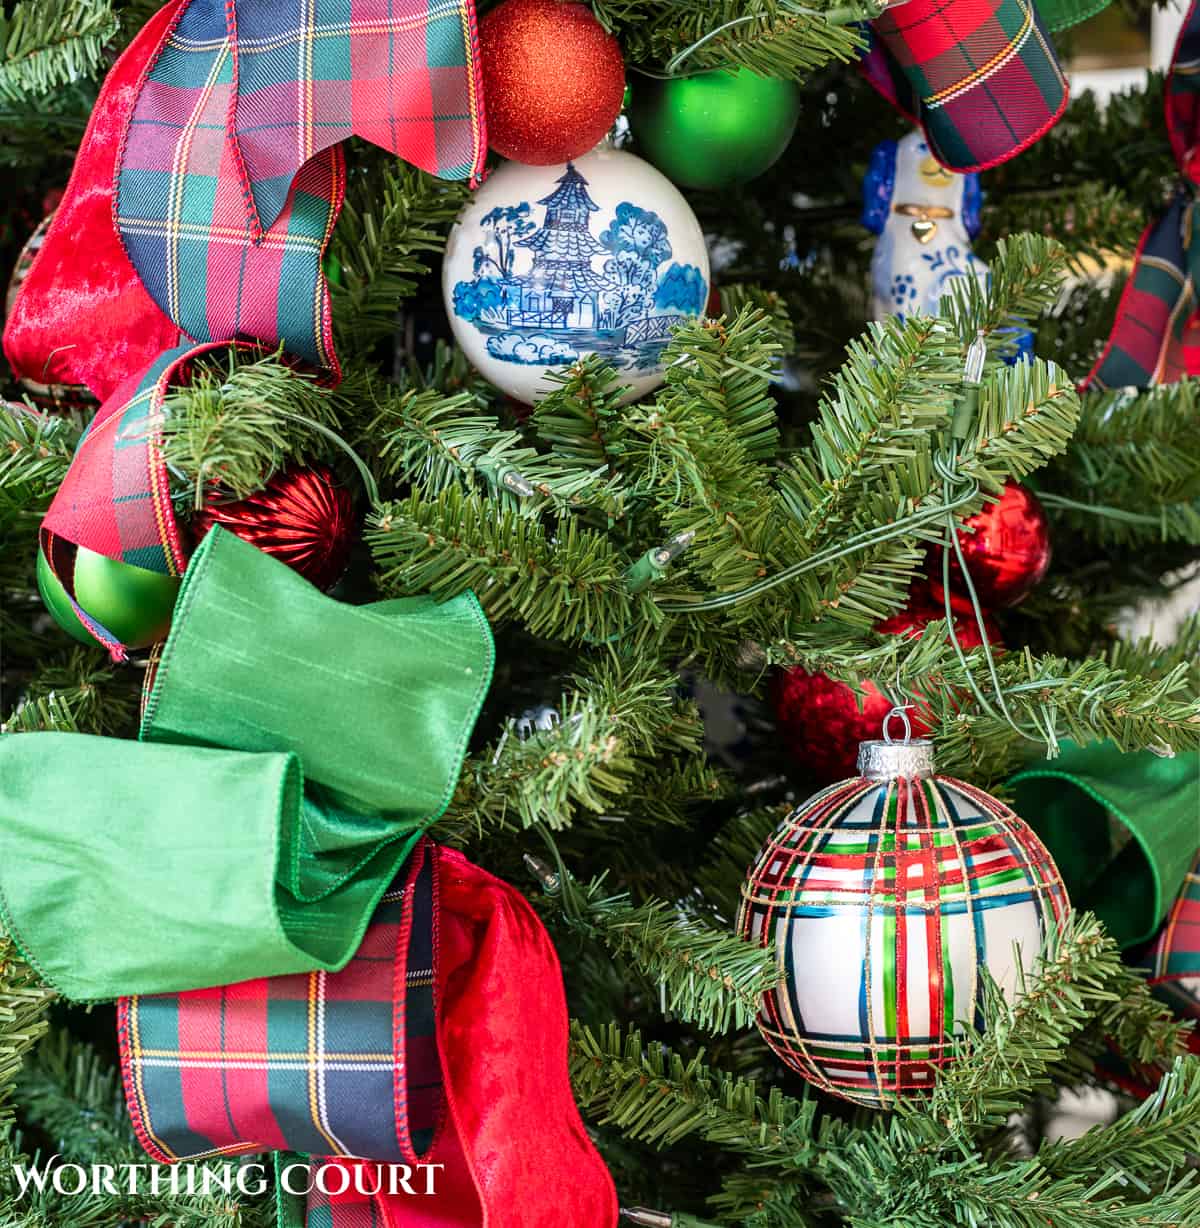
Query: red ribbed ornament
[(553, 80), (302, 517), (819, 720)]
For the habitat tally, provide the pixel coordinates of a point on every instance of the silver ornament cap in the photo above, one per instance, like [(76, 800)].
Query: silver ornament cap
[(887, 759)]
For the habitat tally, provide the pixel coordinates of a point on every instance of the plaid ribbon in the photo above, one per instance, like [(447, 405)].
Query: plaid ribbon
[(342, 1064), (1173, 962), (449, 1024), (1155, 338), (980, 76), (229, 180), (115, 498)]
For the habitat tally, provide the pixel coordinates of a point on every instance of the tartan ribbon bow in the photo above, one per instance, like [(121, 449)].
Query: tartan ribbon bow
[(979, 76), (443, 1042), (1155, 337), (210, 177)]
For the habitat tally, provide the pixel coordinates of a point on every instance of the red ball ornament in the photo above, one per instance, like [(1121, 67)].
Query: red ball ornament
[(1006, 547), (553, 80), (302, 517), (819, 719)]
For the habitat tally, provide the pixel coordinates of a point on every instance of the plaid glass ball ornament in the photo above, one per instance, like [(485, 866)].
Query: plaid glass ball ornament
[(885, 895)]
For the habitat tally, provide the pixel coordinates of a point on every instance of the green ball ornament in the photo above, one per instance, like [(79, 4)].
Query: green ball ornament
[(133, 603), (714, 129), (56, 599)]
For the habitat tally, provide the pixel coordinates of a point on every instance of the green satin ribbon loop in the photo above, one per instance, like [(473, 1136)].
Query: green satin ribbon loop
[(1063, 14), (1123, 829), (293, 750)]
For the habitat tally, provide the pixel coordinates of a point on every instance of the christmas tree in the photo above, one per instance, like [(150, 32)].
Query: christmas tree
[(870, 406)]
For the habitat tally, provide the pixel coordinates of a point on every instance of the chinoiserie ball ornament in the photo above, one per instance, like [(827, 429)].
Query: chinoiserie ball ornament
[(885, 895), (1006, 547), (133, 603), (547, 264), (302, 517), (553, 79), (713, 129), (821, 721)]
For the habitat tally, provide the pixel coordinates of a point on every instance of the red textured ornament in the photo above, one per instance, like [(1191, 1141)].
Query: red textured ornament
[(819, 719), (553, 80), (302, 517), (1007, 554)]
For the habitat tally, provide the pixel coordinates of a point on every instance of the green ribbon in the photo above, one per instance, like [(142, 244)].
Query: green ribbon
[(1063, 14), (1123, 829), (292, 751)]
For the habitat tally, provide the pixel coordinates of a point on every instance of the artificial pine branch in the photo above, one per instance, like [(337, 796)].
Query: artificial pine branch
[(1147, 658), (435, 441), (996, 1071), (654, 1095), (734, 848), (580, 417), (1162, 1133), (44, 46), (612, 723), (767, 36), (394, 220), (1025, 274), (35, 450), (1136, 459), (24, 1001), (569, 584), (1090, 221), (68, 1090), (706, 976), (75, 692), (240, 418)]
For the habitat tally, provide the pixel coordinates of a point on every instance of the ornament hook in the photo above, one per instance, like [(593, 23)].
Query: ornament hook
[(900, 711)]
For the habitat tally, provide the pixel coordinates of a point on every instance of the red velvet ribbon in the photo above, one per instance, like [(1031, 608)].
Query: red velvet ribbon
[(502, 1031), (83, 315)]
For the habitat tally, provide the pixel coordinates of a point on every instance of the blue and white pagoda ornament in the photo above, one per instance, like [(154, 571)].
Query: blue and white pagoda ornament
[(549, 263)]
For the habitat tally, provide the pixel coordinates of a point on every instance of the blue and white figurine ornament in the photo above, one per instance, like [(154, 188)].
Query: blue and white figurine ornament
[(549, 263), (925, 217)]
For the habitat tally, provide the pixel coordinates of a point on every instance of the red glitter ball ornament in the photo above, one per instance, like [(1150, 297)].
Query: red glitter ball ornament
[(553, 80), (819, 719), (302, 517), (1007, 553)]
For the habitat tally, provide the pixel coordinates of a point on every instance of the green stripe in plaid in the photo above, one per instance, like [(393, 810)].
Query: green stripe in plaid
[(322, 1063)]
